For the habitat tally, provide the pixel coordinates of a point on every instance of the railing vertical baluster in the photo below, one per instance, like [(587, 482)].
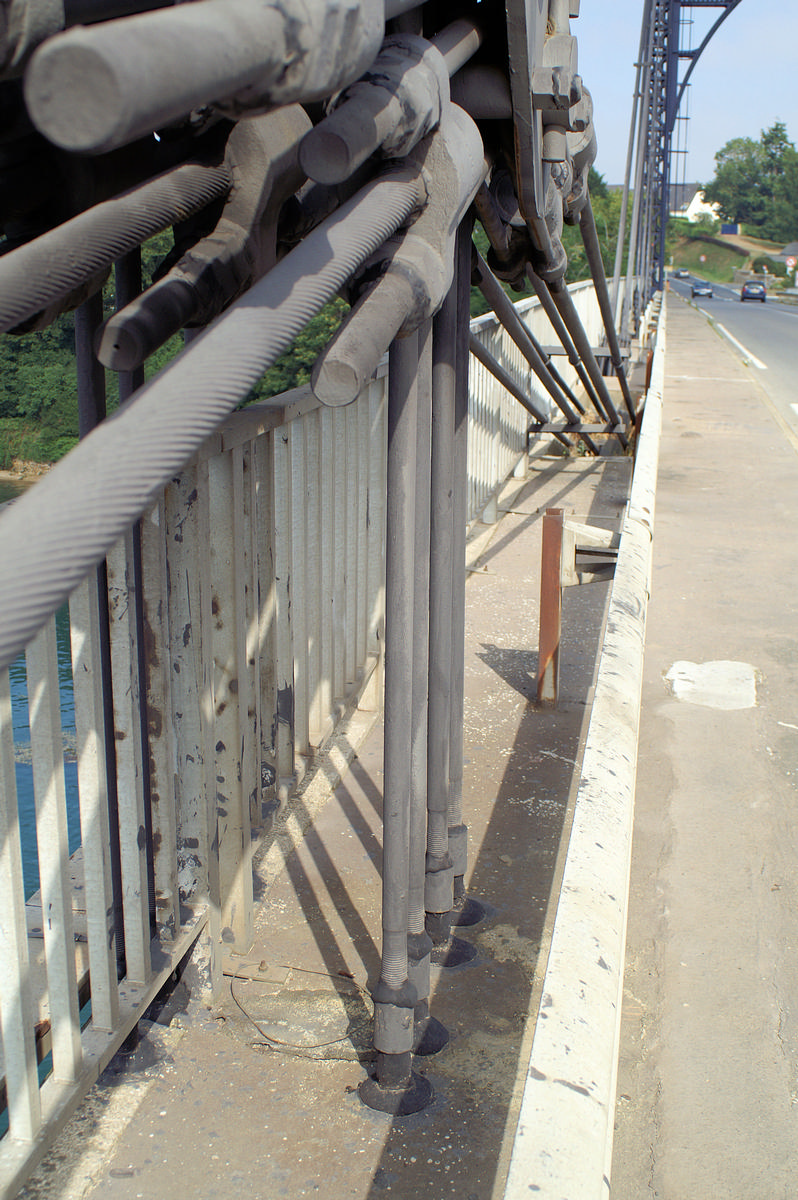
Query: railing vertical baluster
[(311, 552), (159, 741), (326, 566), (226, 658), (129, 775), (49, 791), (339, 553), (361, 582), (84, 618), (376, 533), (241, 585), (253, 635), (284, 616), (266, 597), (298, 568), (181, 503), (208, 816), (16, 998), (350, 660)]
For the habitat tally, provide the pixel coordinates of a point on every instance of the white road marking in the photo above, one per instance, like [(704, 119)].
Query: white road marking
[(752, 358), (794, 408)]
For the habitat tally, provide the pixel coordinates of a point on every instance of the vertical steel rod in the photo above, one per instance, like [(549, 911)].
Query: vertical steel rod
[(418, 750), (429, 1035), (440, 878), (565, 305), (587, 226), (458, 831), (92, 410), (127, 281), (564, 337), (394, 1087)]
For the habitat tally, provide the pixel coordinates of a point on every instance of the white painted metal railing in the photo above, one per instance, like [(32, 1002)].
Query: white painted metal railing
[(259, 622)]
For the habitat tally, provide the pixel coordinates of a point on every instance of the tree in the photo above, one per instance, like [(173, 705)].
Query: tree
[(755, 183), (738, 186)]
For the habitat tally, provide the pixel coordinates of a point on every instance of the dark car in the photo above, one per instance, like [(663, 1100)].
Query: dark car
[(681, 274), (701, 289), (753, 291)]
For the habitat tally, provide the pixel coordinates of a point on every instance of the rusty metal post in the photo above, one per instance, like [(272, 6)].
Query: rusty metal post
[(550, 608)]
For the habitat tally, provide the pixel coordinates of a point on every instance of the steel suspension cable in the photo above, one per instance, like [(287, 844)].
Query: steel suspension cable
[(65, 524), (53, 265)]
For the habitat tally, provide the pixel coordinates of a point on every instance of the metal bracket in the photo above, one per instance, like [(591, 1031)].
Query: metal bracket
[(562, 541)]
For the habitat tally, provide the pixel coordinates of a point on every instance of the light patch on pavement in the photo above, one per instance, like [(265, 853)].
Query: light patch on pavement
[(794, 408), (723, 684)]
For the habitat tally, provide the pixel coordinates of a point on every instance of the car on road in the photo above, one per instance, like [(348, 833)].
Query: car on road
[(700, 288), (681, 274), (753, 291)]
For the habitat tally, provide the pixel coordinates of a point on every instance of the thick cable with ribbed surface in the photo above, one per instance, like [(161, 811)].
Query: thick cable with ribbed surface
[(62, 527), (50, 267)]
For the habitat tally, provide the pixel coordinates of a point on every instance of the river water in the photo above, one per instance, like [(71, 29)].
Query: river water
[(22, 752)]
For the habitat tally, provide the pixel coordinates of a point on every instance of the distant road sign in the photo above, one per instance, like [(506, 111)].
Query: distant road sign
[(791, 263)]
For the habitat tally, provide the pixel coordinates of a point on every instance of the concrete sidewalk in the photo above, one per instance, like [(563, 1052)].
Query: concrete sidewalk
[(708, 1082), (258, 1098)]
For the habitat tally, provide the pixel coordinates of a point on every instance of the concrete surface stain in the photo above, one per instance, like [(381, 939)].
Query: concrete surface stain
[(722, 685), (505, 944)]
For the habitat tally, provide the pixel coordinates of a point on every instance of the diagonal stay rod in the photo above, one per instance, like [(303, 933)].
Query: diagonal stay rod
[(533, 352), (564, 337), (587, 226), (562, 298)]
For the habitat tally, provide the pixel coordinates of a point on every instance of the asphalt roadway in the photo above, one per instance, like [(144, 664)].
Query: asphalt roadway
[(708, 1080)]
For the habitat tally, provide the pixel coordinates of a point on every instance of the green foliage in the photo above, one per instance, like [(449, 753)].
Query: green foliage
[(763, 264), (706, 224), (293, 368), (597, 185), (38, 389), (756, 183)]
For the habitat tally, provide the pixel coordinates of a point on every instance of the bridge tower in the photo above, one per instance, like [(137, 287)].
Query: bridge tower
[(667, 92)]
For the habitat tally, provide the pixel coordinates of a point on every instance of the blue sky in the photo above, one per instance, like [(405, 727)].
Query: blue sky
[(746, 79)]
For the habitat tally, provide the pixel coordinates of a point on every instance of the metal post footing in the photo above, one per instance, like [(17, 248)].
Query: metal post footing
[(429, 1034), (465, 910), (394, 1088), (447, 951)]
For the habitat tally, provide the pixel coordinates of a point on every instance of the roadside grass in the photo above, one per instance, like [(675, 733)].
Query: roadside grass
[(720, 261)]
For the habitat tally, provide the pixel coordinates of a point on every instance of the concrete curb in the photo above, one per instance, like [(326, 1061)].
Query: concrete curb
[(563, 1142)]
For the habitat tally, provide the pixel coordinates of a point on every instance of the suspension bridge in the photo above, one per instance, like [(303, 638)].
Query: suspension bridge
[(356, 668)]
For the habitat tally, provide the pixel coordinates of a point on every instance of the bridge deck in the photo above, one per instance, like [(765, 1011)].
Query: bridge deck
[(215, 1110)]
